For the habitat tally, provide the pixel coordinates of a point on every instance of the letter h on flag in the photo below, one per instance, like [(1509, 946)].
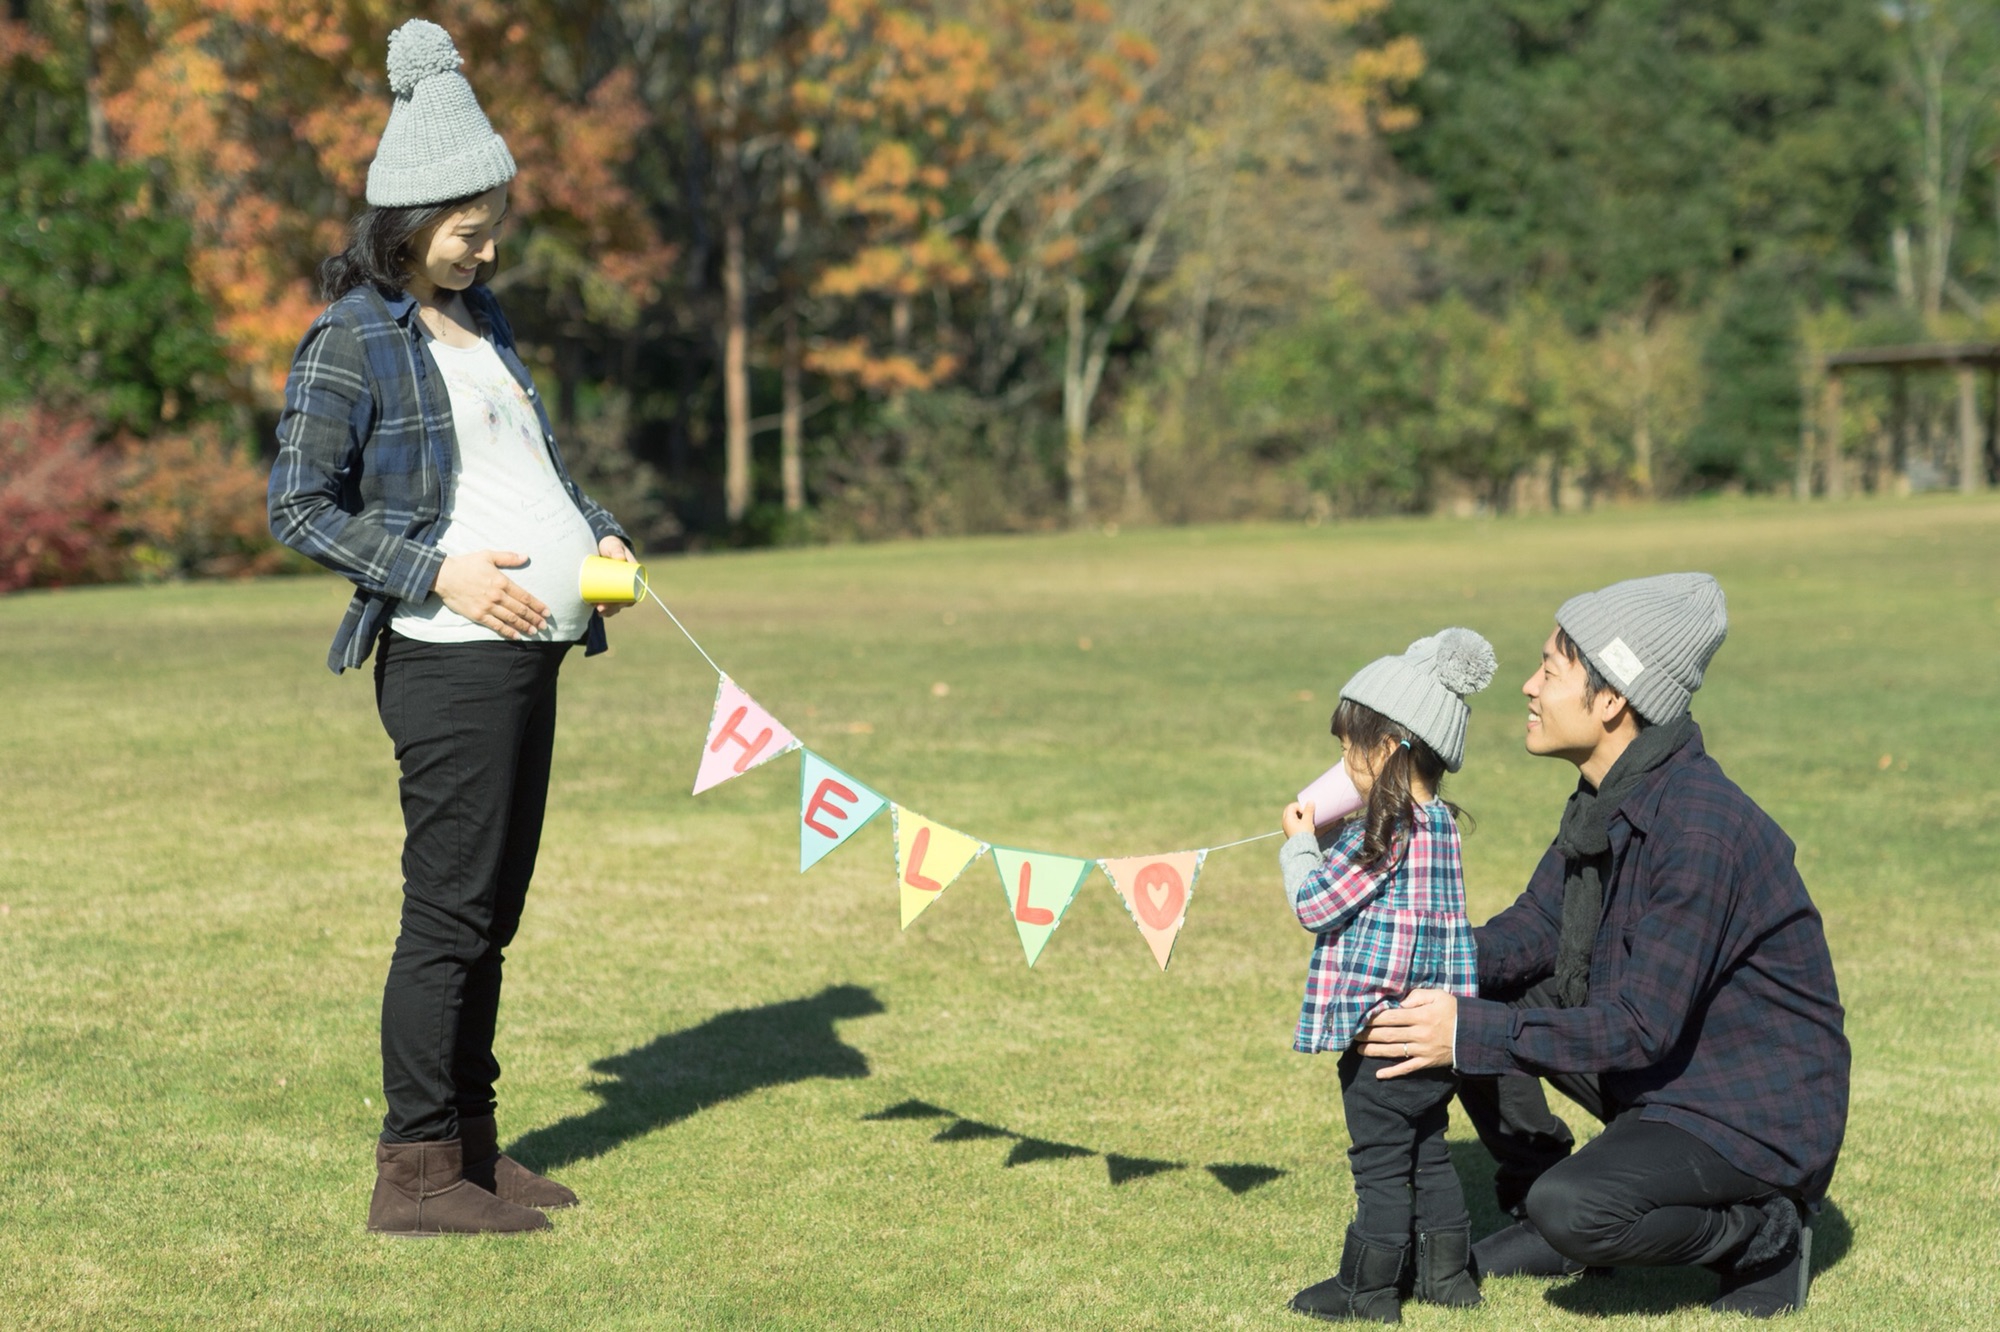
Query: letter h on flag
[(741, 736)]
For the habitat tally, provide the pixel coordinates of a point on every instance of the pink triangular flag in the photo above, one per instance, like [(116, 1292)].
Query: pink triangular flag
[(741, 735), (1156, 890)]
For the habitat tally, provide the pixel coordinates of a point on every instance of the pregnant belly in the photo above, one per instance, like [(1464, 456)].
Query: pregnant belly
[(554, 538)]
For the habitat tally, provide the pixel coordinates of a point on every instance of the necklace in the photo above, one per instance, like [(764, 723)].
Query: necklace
[(442, 320)]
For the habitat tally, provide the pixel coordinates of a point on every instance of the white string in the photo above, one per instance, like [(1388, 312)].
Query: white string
[(684, 629), (1245, 841), (1241, 841)]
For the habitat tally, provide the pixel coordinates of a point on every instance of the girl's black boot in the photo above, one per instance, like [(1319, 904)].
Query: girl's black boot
[(1364, 1290), (1444, 1267)]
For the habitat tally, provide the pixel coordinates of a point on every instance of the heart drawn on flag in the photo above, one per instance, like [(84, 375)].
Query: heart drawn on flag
[(1159, 894)]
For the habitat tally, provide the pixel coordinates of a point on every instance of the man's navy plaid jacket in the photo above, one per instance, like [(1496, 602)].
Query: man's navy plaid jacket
[(1712, 999), (365, 447)]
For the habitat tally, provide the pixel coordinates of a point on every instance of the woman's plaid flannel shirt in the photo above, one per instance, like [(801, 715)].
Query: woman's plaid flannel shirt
[(364, 464), (1382, 933)]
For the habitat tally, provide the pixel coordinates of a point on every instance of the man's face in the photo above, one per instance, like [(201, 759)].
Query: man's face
[(1560, 723)]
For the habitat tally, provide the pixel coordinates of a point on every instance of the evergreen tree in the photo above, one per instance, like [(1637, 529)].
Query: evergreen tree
[(98, 315), (1750, 414), (1629, 154)]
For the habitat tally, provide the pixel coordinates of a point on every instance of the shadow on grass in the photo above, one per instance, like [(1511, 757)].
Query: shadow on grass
[(685, 1072), (1474, 1165), (1119, 1169)]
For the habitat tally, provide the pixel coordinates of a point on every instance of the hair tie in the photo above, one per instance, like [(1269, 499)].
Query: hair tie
[(1403, 745)]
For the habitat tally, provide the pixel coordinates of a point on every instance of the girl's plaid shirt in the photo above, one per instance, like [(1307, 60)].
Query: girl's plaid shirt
[(1384, 932)]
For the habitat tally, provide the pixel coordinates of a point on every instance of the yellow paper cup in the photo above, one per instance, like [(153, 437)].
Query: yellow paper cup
[(609, 582)]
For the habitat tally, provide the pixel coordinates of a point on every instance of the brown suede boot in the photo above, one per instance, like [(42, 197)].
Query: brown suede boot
[(420, 1189), (507, 1179)]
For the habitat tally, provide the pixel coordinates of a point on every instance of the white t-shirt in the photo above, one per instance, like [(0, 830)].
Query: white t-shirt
[(505, 495)]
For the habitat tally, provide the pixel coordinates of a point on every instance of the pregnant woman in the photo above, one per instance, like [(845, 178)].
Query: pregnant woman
[(416, 459)]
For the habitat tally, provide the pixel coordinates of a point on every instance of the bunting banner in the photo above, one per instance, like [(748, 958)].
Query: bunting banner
[(929, 857), (1156, 890), (1039, 888), (832, 808), (741, 736)]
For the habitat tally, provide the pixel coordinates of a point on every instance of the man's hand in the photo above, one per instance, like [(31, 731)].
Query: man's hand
[(473, 586), (1419, 1033), (1296, 818), (611, 548)]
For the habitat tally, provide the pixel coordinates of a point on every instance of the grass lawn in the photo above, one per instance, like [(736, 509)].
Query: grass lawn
[(198, 894)]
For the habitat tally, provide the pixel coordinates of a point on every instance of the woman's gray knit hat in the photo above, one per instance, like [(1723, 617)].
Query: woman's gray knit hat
[(1425, 688), (1650, 638), (439, 145)]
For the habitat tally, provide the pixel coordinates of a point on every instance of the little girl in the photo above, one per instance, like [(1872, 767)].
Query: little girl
[(1387, 900)]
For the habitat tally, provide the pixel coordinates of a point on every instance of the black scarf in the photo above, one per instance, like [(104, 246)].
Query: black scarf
[(1585, 843)]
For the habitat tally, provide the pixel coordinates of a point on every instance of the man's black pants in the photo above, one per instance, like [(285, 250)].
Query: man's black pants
[(1640, 1194), (1403, 1175), (474, 725)]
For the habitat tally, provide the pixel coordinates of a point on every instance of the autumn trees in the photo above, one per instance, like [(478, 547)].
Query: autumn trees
[(973, 199), (823, 268)]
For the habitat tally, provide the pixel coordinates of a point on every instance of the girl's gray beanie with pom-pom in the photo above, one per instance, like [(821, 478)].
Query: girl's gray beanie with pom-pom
[(1425, 688), (439, 145)]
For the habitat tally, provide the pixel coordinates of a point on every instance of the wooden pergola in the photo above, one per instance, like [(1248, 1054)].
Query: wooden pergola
[(1963, 359)]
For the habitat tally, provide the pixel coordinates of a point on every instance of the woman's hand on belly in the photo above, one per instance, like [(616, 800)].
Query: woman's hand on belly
[(473, 586), (611, 548)]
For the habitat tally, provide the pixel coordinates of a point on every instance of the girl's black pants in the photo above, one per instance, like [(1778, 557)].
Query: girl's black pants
[(1403, 1176), (474, 725)]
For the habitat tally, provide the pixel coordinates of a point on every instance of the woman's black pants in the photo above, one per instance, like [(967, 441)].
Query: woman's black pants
[(474, 725)]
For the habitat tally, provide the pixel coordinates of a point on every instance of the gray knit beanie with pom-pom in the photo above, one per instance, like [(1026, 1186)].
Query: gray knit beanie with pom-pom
[(439, 145), (1425, 688)]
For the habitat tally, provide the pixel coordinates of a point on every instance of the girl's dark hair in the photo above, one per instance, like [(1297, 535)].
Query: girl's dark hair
[(1390, 813), (380, 249)]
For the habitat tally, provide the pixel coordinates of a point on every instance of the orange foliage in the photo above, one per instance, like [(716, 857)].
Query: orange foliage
[(892, 95), (261, 109), (853, 360), (190, 504), (18, 42)]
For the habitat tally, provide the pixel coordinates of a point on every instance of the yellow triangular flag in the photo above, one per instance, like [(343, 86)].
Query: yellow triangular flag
[(928, 857)]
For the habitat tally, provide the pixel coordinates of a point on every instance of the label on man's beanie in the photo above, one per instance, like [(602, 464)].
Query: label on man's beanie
[(1621, 661)]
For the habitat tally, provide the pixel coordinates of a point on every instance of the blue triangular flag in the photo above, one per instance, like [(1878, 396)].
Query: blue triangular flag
[(832, 808)]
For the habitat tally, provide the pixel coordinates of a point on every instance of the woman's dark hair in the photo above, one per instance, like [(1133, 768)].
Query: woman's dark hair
[(380, 250), (1390, 813)]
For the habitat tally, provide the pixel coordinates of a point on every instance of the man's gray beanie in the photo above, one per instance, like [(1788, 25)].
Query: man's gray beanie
[(1425, 688), (439, 145), (1650, 638)]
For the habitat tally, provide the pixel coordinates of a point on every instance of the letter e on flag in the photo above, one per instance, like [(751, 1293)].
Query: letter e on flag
[(832, 808)]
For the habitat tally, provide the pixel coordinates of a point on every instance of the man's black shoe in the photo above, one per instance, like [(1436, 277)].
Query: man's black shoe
[(1520, 1250), (1760, 1284)]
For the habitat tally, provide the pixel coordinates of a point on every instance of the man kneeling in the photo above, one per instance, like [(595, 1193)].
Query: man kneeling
[(1665, 969)]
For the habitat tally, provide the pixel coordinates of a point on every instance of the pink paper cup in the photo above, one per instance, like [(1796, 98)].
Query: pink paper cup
[(1332, 796)]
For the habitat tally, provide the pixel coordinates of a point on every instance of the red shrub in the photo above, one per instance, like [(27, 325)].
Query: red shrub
[(56, 488)]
